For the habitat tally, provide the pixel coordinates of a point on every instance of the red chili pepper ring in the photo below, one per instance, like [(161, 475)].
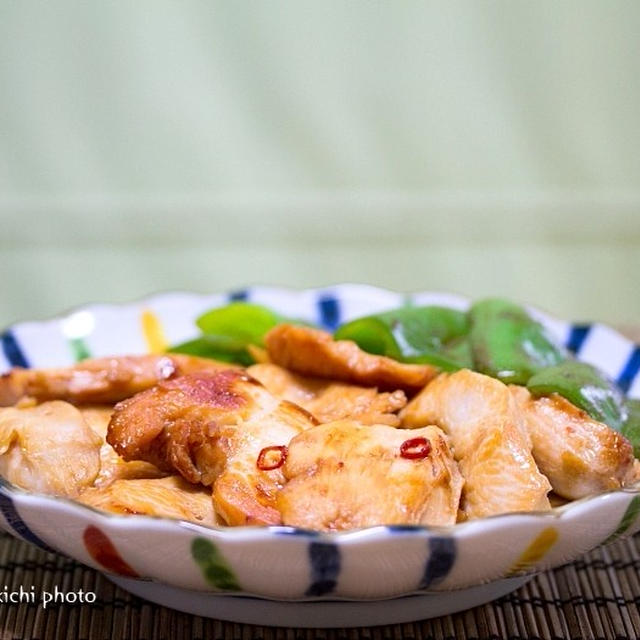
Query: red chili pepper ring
[(267, 461), (415, 448)]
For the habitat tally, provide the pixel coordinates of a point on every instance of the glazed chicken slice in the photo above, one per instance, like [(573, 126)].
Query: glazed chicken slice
[(330, 401), (489, 439), (112, 466), (343, 475), (48, 448), (313, 352), (212, 428), (99, 380), (171, 497), (579, 455)]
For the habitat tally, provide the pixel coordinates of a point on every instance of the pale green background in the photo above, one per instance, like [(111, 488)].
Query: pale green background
[(477, 147)]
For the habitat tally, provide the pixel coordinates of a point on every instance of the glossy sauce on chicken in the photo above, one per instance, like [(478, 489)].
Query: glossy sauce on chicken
[(210, 428), (313, 352), (328, 400), (99, 380), (489, 440), (345, 475)]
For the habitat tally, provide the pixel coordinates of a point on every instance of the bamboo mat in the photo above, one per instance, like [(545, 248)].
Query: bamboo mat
[(595, 597)]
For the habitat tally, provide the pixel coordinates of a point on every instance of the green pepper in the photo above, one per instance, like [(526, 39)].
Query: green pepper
[(410, 334), (459, 350), (372, 334), (585, 387), (228, 330), (631, 426), (216, 348), (508, 344), (244, 321)]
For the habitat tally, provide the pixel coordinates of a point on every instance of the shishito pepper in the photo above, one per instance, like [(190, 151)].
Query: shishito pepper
[(242, 321), (216, 348), (506, 343), (428, 334), (631, 426), (585, 387), (459, 350), (372, 334), (229, 330)]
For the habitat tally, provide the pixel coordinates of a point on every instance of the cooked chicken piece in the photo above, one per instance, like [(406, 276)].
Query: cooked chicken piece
[(315, 353), (259, 354), (343, 475), (171, 497), (489, 440), (331, 401), (97, 417), (48, 448), (211, 428), (579, 455), (112, 466), (100, 380), (633, 476), (556, 501)]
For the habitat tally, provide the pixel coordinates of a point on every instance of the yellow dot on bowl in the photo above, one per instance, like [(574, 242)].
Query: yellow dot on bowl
[(536, 550), (153, 332)]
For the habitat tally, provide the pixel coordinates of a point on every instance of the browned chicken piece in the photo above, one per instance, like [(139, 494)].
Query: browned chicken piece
[(112, 466), (170, 497), (99, 380), (489, 439), (48, 448), (579, 455), (212, 428), (343, 475), (331, 401), (313, 352), (633, 476)]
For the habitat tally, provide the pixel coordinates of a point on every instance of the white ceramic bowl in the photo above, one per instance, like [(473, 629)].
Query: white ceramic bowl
[(282, 575)]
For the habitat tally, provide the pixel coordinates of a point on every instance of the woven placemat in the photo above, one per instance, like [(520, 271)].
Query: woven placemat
[(595, 597)]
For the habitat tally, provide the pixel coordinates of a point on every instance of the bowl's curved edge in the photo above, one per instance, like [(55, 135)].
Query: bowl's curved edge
[(321, 614)]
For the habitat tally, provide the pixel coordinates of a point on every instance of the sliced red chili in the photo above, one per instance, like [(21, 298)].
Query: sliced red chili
[(272, 457), (415, 448)]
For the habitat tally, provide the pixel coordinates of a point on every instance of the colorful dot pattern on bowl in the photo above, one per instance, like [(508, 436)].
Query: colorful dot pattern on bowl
[(17, 525), (442, 556), (628, 519), (153, 332), (325, 568), (214, 567), (104, 552), (535, 551)]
